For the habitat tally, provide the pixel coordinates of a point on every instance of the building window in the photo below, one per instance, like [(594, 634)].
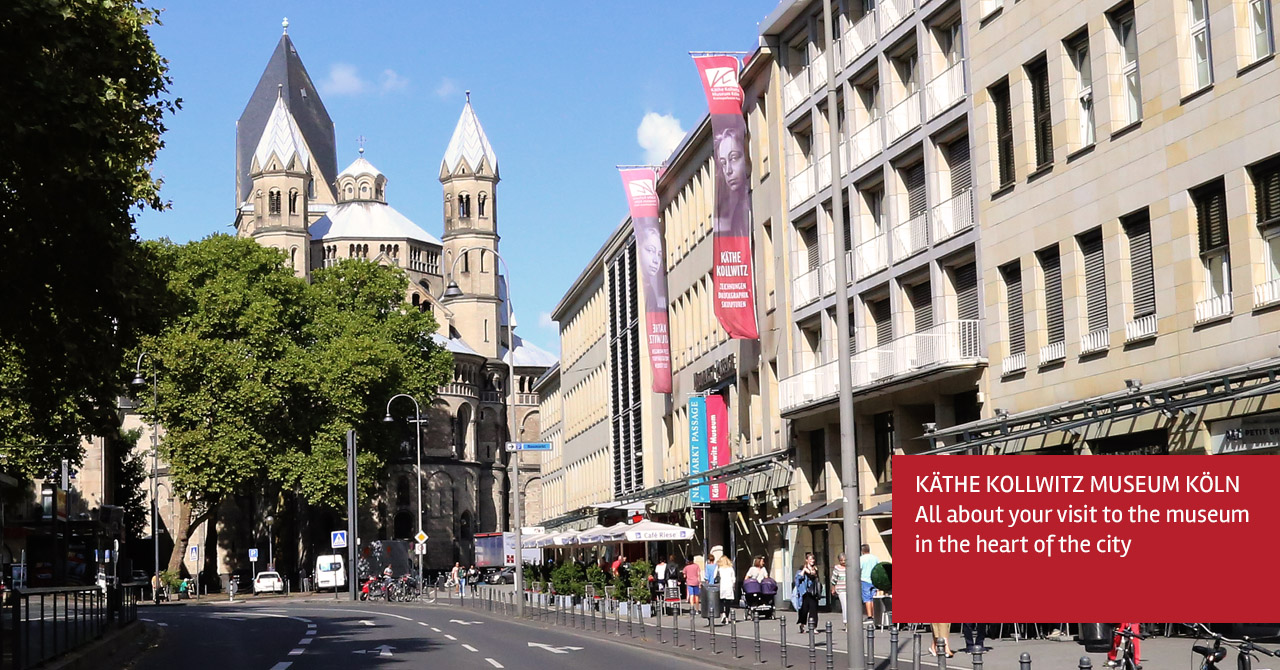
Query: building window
[(883, 465), (1137, 228), (311, 189), (293, 201), (1051, 272), (1078, 51), (1004, 132), (1016, 331), (1198, 22), (1038, 76), (1211, 220), (1260, 27), (1266, 183), (1095, 280), (464, 206), (273, 202), (1127, 36), (480, 202), (965, 280)]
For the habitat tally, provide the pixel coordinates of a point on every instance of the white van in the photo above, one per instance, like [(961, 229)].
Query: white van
[(331, 572)]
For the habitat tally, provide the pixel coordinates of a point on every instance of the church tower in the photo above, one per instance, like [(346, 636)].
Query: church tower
[(275, 212), (469, 175)]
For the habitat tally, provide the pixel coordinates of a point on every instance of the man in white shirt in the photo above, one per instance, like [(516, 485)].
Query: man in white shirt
[(866, 563)]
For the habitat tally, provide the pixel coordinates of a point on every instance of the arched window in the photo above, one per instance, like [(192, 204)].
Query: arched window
[(311, 189), (480, 202), (464, 206), (462, 438), (293, 258), (350, 191), (364, 190), (273, 201), (293, 201), (351, 251), (377, 192), (448, 205), (466, 261), (482, 260)]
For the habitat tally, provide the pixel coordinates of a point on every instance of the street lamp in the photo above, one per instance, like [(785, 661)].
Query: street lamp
[(271, 554), (139, 382), (418, 423), (454, 292)]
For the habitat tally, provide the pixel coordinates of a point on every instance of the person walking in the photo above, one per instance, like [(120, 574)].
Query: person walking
[(455, 578), (805, 588), (728, 583), (155, 588), (866, 563), (692, 581), (839, 575)]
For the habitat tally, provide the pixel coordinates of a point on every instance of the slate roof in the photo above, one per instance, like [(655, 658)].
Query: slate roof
[(281, 137), (529, 355), (469, 142)]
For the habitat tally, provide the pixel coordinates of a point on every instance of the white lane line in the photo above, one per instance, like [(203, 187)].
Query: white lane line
[(469, 647), (435, 630), (311, 631), (490, 660), (422, 623), (309, 625), (306, 640), (296, 652), (282, 665), (146, 620), (451, 637), (162, 624)]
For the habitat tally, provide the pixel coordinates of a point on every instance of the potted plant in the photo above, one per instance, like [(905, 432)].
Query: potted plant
[(641, 593)]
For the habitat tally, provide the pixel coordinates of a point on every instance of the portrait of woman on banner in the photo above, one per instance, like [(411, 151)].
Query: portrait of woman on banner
[(733, 180)]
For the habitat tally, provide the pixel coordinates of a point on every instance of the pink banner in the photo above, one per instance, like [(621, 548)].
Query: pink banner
[(642, 197), (734, 300), (718, 451)]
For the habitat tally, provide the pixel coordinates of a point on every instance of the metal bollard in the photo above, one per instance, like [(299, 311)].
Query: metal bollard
[(1085, 663), (870, 650), (631, 615), (1024, 661), (693, 633), (831, 652), (813, 650), (675, 626), (782, 633), (733, 636), (915, 651), (940, 644), (977, 660), (893, 646), (593, 617), (659, 613), (756, 622), (617, 619), (712, 625), (644, 633)]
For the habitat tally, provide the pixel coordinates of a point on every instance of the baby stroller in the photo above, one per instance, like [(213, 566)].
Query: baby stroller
[(758, 596)]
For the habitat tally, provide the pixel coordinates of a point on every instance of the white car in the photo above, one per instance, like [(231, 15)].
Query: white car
[(268, 582)]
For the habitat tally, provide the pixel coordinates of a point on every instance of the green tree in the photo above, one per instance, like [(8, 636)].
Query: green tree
[(130, 483), (82, 104)]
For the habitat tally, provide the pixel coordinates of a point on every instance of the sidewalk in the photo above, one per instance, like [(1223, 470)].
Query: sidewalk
[(1157, 653)]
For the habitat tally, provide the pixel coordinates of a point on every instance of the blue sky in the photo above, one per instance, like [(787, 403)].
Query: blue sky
[(561, 89)]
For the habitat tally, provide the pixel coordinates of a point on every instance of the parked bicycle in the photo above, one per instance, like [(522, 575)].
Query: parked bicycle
[(1126, 654), (1213, 655)]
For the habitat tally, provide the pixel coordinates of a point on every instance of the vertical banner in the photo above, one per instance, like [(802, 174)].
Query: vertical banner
[(718, 450), (735, 304), (698, 447), (642, 197)]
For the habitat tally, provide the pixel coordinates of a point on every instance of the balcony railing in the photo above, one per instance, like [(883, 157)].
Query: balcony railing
[(910, 237), (859, 37), (953, 216), (1266, 293), (795, 91), (806, 288), (904, 117), (893, 12), (871, 256), (824, 171), (459, 388), (1140, 328), (491, 396), (1095, 341), (526, 399), (866, 143), (1053, 352), (1213, 308), (945, 90), (950, 343), (1013, 364), (801, 187), (828, 277), (818, 72)]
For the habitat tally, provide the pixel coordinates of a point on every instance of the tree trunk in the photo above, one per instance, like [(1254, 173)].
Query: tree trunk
[(188, 521)]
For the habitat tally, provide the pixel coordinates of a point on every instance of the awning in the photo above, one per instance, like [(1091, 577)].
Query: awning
[(883, 509), (791, 516), (822, 513)]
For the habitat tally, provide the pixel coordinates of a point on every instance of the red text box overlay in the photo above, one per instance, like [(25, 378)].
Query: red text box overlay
[(1076, 538)]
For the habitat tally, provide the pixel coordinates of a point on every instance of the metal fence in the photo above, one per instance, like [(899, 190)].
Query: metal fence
[(39, 624)]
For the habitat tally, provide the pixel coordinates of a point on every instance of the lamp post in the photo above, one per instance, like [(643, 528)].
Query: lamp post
[(454, 292), (418, 423), (139, 382), (271, 553)]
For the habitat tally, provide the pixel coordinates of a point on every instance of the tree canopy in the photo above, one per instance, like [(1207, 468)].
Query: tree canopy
[(82, 104)]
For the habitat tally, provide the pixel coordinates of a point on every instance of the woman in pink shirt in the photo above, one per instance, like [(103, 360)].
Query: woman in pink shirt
[(692, 580)]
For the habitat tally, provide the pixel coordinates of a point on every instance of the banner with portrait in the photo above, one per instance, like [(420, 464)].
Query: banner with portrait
[(642, 197), (734, 296)]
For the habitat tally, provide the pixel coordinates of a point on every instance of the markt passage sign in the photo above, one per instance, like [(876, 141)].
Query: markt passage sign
[(1081, 538)]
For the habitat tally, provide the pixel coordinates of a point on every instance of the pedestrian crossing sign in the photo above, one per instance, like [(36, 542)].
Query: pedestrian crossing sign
[(338, 539)]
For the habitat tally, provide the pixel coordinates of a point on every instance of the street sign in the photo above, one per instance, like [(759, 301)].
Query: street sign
[(420, 537), (194, 554), (338, 539), (253, 555), (528, 446), (420, 548)]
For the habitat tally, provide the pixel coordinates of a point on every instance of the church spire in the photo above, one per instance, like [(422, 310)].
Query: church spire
[(469, 144)]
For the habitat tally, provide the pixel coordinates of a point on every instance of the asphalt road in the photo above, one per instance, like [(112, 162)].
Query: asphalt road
[(292, 635)]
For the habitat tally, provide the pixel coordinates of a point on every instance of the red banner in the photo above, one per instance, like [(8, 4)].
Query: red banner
[(642, 197), (719, 452), (734, 300), (1086, 538)]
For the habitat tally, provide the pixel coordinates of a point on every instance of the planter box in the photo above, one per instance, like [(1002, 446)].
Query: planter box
[(624, 608), (646, 610)]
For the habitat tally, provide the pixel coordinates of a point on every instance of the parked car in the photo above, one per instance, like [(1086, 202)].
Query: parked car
[(503, 576), (268, 582), (140, 577)]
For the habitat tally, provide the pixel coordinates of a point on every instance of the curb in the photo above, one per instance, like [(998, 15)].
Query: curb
[(118, 649)]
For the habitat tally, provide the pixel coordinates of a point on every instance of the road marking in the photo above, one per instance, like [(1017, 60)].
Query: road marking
[(309, 625), (554, 649), (311, 631), (282, 665), (146, 620), (460, 622), (469, 647), (296, 652), (490, 660), (306, 640), (366, 622), (422, 623), (451, 637), (434, 629), (162, 624), (384, 650)]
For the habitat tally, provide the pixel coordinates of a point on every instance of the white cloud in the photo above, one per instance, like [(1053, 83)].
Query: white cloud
[(545, 321), (659, 135), (393, 81), (447, 88)]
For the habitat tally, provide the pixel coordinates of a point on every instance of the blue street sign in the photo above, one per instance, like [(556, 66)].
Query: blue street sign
[(253, 555), (528, 446), (338, 539)]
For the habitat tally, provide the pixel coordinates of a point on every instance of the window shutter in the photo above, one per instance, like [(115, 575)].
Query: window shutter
[(1138, 230), (916, 202), (847, 224), (922, 304), (810, 237), (1004, 132), (1013, 294), (1051, 266), (884, 322), (1039, 75), (1266, 179), (1211, 215), (958, 157), (966, 277), (1095, 280), (853, 336)]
